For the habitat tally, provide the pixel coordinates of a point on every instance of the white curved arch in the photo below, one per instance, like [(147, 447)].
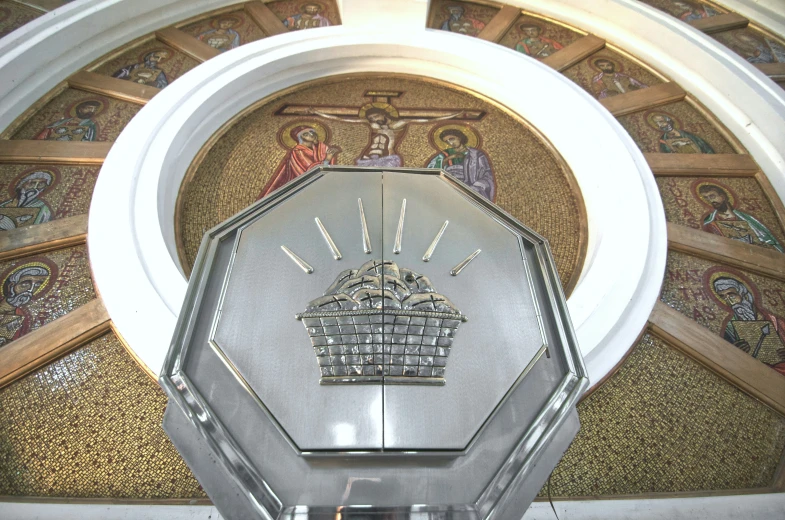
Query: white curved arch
[(619, 283)]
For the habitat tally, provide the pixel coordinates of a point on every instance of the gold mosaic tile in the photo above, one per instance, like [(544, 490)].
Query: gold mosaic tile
[(225, 31), (744, 308), (467, 18), (523, 176), (674, 128), (607, 73), (14, 15), (74, 115), (664, 423), (753, 45), (537, 38), (36, 194), (41, 288), (149, 63), (686, 10), (736, 208), (49, 5), (89, 425), (302, 14)]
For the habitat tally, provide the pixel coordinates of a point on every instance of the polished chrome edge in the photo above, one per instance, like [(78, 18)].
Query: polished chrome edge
[(418, 512), (180, 389)]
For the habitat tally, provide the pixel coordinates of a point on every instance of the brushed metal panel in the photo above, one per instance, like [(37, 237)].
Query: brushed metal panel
[(259, 333), (502, 334)]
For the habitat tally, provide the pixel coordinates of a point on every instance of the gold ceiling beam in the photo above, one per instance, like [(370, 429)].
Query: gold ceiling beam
[(689, 165), (40, 238), (265, 18), (500, 23), (53, 152), (186, 44), (55, 339), (723, 358), (767, 262), (720, 22), (574, 52), (644, 99), (113, 87)]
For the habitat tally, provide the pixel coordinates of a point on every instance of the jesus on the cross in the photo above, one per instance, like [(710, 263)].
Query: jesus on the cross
[(387, 125)]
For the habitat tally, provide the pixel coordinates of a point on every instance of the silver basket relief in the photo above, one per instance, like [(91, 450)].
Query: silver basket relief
[(381, 323)]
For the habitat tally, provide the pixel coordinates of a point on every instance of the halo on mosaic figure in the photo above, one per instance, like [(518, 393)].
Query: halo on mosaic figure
[(159, 50), (318, 4), (215, 23), (473, 138), (391, 110), (288, 141), (521, 25), (101, 101), (618, 67), (54, 173), (651, 113), (696, 186), (43, 263), (716, 272)]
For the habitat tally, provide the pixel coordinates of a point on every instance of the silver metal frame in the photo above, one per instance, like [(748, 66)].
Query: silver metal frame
[(238, 466)]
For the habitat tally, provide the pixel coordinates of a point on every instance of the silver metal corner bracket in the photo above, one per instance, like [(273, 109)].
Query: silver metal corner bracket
[(308, 374)]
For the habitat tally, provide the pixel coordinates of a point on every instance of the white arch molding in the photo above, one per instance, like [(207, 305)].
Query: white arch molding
[(625, 258), (35, 58)]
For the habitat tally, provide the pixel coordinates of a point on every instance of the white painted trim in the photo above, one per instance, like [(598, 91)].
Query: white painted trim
[(749, 507), (625, 259), (767, 13)]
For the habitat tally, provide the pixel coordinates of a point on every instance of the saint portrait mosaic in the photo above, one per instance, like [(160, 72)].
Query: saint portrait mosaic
[(538, 38), (753, 45), (745, 309), (150, 63), (385, 122), (14, 15), (675, 128), (467, 18), (39, 289), (74, 115), (607, 73), (297, 15), (225, 31), (38, 194), (686, 10), (734, 208)]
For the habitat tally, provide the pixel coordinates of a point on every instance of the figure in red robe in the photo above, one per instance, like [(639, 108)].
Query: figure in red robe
[(308, 153)]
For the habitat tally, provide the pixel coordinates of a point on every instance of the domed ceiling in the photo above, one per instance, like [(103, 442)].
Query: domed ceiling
[(694, 406)]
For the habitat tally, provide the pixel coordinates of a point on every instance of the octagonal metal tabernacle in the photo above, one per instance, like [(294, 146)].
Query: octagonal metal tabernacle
[(373, 341)]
